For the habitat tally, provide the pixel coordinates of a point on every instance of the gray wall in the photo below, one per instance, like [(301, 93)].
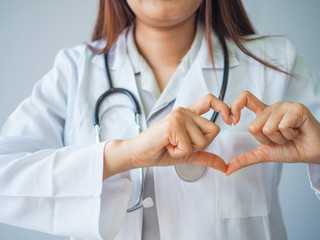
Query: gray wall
[(32, 31)]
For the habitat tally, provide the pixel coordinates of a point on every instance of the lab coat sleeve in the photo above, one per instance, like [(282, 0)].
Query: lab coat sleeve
[(304, 87), (45, 185)]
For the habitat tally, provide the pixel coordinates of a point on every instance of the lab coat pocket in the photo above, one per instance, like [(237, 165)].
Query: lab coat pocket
[(242, 194)]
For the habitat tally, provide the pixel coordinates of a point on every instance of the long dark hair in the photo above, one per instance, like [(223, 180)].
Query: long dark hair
[(227, 18)]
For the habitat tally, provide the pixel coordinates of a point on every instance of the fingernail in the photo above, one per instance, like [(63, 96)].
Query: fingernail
[(233, 120)]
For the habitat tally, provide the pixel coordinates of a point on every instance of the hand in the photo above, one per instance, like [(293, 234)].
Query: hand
[(178, 138), (287, 132), (181, 136)]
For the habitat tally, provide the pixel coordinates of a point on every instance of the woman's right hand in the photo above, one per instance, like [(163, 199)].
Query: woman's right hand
[(178, 138)]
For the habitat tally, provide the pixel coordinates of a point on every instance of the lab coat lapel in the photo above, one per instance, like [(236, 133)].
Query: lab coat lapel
[(124, 77), (124, 73), (193, 88)]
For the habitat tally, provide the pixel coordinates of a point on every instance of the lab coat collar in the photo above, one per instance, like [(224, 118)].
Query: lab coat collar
[(149, 82), (204, 56), (137, 60), (117, 53), (195, 86)]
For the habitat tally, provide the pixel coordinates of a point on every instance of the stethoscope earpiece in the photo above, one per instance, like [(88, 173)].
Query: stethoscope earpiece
[(147, 202)]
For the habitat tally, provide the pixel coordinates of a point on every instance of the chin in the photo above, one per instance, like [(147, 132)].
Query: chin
[(166, 19), (164, 13)]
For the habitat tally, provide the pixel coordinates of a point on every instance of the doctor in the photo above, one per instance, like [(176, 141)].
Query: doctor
[(55, 179)]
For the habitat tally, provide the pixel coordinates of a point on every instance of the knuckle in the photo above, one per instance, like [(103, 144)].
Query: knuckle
[(212, 133), (246, 93), (299, 107), (282, 127), (179, 111), (288, 104), (210, 138), (173, 123), (215, 128), (202, 143), (209, 96), (277, 104), (253, 129), (266, 130), (269, 108), (177, 114)]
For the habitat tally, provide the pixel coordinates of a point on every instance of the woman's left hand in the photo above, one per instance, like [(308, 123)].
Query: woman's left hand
[(288, 132)]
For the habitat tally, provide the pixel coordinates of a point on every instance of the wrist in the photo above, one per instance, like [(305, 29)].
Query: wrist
[(117, 158)]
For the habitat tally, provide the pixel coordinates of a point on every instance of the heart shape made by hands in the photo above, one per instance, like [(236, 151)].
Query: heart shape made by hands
[(287, 132)]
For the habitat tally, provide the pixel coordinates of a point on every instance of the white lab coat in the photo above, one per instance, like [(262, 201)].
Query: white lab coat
[(51, 168)]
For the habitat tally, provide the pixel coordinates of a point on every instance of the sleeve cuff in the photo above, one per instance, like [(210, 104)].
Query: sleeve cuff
[(314, 177), (115, 197)]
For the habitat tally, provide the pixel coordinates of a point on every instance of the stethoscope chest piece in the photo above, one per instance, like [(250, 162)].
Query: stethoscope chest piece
[(190, 172)]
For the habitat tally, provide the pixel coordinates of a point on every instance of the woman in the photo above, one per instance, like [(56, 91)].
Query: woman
[(52, 172)]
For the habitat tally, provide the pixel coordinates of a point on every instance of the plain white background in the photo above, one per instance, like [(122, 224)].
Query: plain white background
[(32, 31)]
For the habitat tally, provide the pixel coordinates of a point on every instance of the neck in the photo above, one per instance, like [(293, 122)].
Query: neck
[(164, 48)]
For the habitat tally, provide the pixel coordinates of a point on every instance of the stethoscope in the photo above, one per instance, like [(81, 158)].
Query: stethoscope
[(187, 172)]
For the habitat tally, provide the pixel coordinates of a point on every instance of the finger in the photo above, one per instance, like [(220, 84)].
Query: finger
[(211, 102), (247, 159), (208, 159), (246, 99), (179, 143), (290, 123), (286, 129), (198, 139), (209, 129), (256, 126), (271, 127)]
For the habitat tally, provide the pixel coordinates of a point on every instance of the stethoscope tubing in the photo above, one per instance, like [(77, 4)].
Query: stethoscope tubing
[(137, 112), (225, 75)]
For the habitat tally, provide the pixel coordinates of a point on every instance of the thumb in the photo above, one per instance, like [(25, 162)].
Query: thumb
[(246, 159), (208, 159)]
